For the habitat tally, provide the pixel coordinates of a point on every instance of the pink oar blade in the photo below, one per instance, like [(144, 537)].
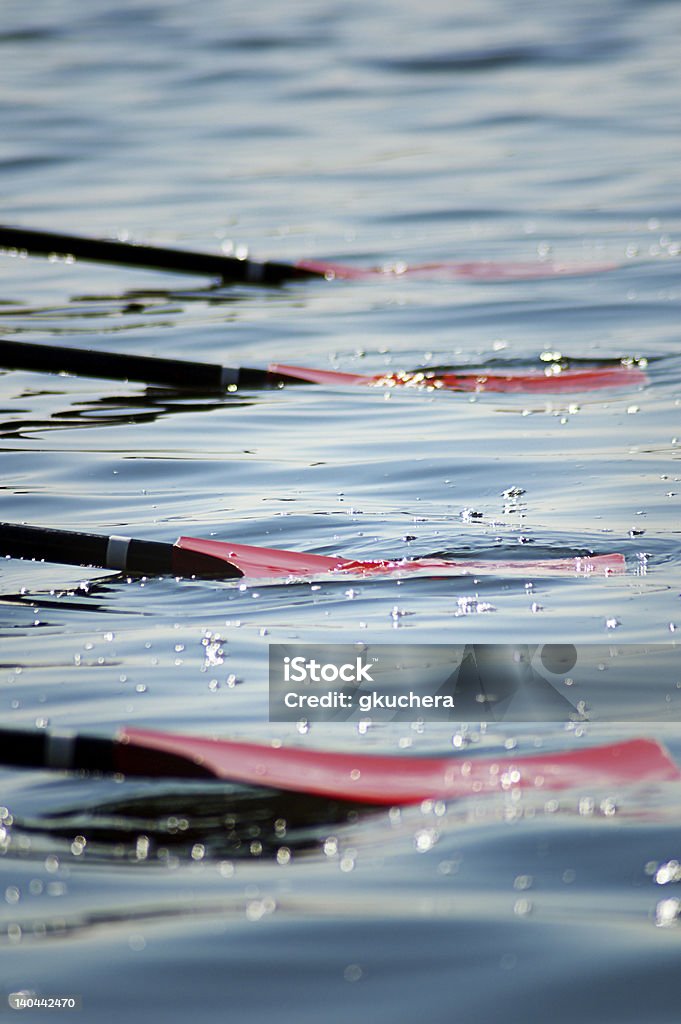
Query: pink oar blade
[(487, 270), (480, 270), (314, 376), (340, 271), (273, 563), (580, 565), (389, 780), (538, 381), (261, 563), (547, 382)]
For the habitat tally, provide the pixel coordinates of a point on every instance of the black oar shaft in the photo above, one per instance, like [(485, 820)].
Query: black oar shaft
[(179, 373), (229, 268), (70, 751), (23, 749), (147, 557), (74, 548), (175, 373)]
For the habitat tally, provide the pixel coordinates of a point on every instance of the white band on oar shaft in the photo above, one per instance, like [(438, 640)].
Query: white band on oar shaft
[(117, 552), (60, 749)]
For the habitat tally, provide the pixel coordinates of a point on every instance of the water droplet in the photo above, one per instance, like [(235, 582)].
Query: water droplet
[(352, 973), (331, 846), (425, 839), (668, 872), (78, 846), (522, 907), (469, 514), (666, 913), (472, 606)]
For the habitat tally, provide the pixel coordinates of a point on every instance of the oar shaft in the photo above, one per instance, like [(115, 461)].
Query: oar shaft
[(147, 557), (40, 749), (72, 752), (73, 548), (176, 373), (23, 355), (229, 268)]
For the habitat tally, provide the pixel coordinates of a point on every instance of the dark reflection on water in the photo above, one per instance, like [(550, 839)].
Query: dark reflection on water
[(155, 404), (213, 822)]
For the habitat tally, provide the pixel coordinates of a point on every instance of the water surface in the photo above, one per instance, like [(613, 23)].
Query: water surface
[(367, 134)]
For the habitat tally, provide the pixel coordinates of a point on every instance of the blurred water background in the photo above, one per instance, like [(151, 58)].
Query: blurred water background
[(364, 133)]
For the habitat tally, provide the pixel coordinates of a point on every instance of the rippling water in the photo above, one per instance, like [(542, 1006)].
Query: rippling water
[(363, 133)]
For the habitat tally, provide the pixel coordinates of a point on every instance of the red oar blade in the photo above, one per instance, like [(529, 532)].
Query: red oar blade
[(586, 565), (537, 382), (314, 376), (489, 270), (273, 563), (481, 270), (261, 563), (545, 382), (389, 780)]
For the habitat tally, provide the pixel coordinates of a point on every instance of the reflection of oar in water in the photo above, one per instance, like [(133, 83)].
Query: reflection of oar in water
[(234, 268), (363, 778), (191, 556), (181, 373)]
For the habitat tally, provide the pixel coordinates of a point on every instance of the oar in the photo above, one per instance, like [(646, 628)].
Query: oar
[(181, 373), (127, 254), (192, 556), (232, 268), (358, 777)]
